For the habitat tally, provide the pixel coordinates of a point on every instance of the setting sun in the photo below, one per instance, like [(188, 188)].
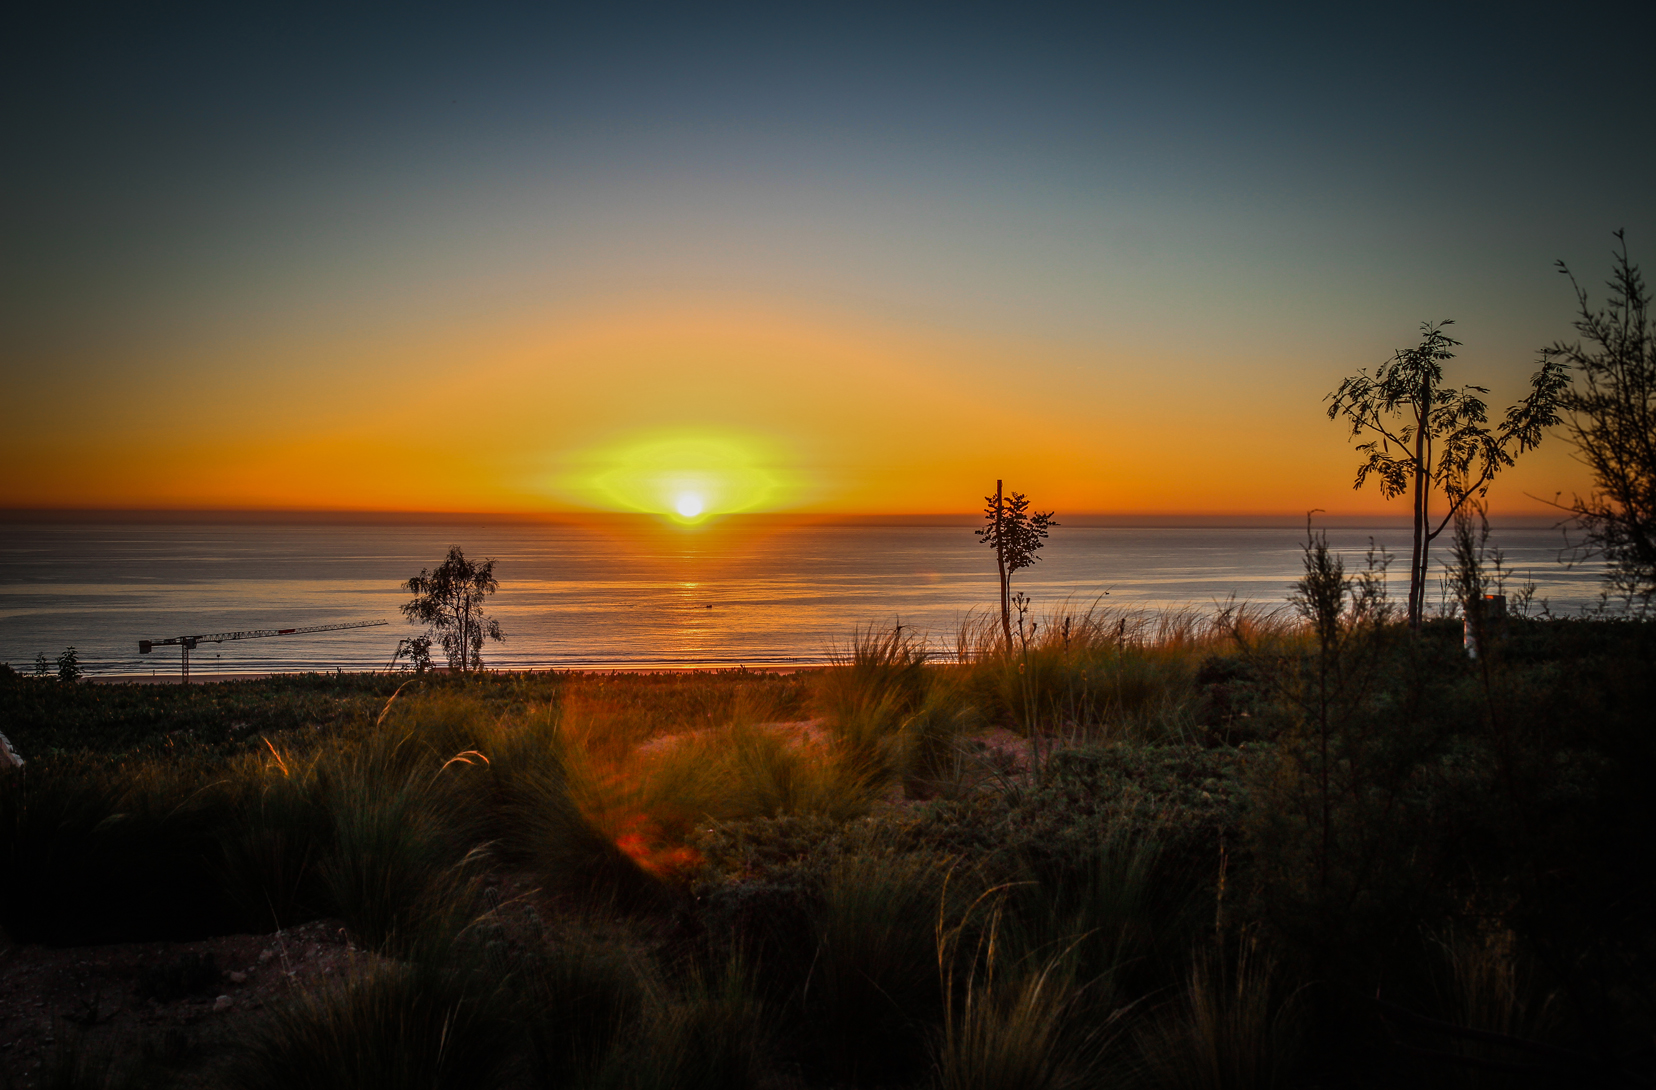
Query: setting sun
[(688, 475)]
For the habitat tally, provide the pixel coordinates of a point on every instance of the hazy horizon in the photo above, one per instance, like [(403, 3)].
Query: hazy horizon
[(952, 518)]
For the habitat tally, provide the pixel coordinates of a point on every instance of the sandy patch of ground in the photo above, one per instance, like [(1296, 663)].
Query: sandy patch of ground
[(802, 732)]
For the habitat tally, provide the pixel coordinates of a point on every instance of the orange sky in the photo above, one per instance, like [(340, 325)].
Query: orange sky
[(846, 415), (865, 259)]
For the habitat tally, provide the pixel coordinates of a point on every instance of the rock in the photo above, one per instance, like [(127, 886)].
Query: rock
[(236, 977), (266, 955), (223, 1003)]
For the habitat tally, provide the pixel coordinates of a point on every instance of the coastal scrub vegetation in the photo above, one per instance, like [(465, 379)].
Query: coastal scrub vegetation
[(1610, 418), (1240, 849), (1426, 437)]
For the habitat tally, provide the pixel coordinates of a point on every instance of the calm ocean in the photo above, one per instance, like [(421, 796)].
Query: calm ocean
[(625, 593)]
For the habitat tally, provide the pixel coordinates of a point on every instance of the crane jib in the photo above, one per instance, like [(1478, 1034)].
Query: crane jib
[(146, 646)]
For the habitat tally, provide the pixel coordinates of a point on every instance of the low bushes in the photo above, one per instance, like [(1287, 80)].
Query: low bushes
[(1216, 854)]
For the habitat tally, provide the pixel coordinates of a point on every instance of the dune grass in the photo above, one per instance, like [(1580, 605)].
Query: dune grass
[(391, 1026), (1095, 673), (1234, 1025), (1140, 898)]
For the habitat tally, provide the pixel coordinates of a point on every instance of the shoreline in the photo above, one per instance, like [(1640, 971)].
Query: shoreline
[(580, 668)]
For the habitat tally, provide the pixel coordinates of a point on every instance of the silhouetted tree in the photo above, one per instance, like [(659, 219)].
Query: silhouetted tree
[(1015, 533), (450, 600), (1611, 419), (1427, 438)]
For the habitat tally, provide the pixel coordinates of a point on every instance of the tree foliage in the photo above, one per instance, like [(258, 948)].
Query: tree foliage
[(1610, 416), (1425, 438), (450, 601), (1016, 534)]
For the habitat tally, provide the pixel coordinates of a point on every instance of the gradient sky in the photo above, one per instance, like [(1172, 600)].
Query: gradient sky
[(445, 258)]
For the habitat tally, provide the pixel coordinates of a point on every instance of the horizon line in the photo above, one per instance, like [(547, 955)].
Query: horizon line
[(371, 515)]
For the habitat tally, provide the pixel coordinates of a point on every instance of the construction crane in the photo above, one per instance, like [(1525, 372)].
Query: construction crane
[(188, 643)]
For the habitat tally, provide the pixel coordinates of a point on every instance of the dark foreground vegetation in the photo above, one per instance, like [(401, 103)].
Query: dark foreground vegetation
[(1136, 852)]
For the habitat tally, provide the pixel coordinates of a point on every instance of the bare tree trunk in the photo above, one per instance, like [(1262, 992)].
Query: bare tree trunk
[(1426, 534), (1417, 582), (467, 654), (1000, 562)]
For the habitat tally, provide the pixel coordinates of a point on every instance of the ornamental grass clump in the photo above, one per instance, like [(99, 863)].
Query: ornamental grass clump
[(389, 1026), (1235, 1025), (556, 809), (869, 989), (397, 862), (1120, 913), (580, 1001), (1089, 674), (711, 1033), (1012, 1023), (281, 830)]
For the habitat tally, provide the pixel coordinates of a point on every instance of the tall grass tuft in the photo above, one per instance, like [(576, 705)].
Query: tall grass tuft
[(877, 666), (1024, 1027), (713, 1035), (872, 987), (76, 1064), (773, 775), (91, 854), (1116, 916), (1232, 1028), (579, 999), (281, 831), (558, 810), (396, 1026), (1092, 673), (397, 863), (1488, 986), (931, 755), (874, 684)]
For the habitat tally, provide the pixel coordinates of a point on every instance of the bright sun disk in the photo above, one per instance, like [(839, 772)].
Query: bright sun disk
[(687, 475)]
